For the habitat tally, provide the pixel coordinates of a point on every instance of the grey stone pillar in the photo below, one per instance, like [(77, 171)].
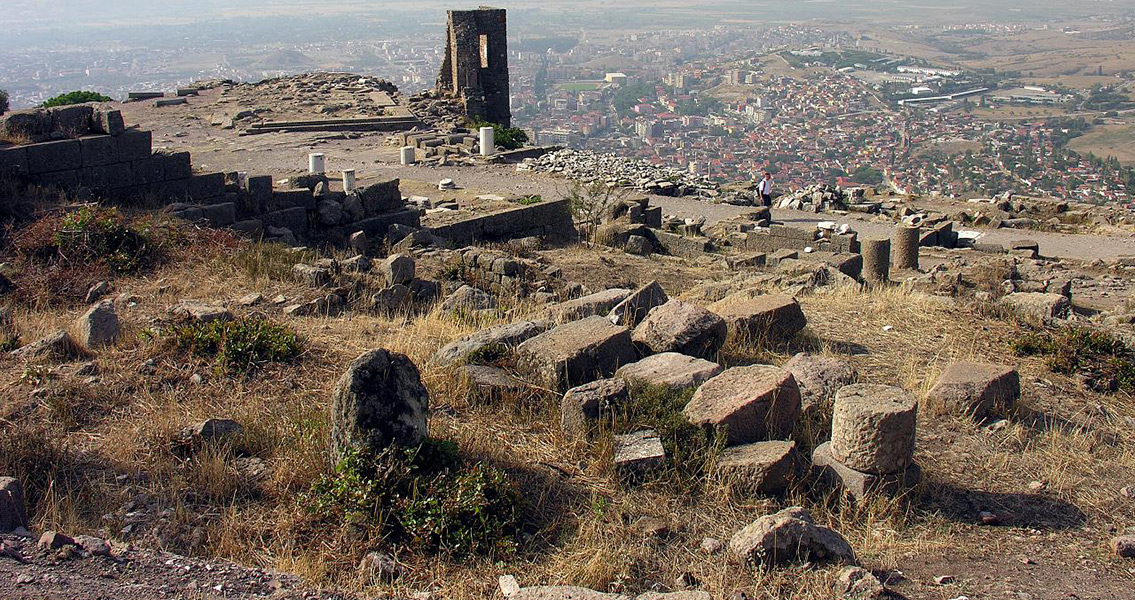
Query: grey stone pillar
[(905, 245), (876, 260)]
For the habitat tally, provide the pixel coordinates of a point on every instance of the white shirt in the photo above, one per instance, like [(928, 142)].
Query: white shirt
[(765, 187)]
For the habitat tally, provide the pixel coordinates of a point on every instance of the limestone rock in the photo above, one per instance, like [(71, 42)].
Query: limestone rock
[(975, 389), (97, 291), (760, 467), (873, 428), (819, 377), (399, 269), (501, 338), (391, 300), (764, 318), (671, 369), (1037, 305), (595, 304), (576, 353), (380, 401), (754, 403), (53, 540), (98, 327), (13, 506), (682, 327), (789, 536), (638, 453), (584, 404), (631, 311)]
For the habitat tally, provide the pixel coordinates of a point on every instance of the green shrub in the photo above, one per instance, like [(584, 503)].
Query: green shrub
[(1078, 350), (92, 235), (691, 450), (530, 200), (241, 345), (509, 138), (426, 497), (3, 102), (76, 98)]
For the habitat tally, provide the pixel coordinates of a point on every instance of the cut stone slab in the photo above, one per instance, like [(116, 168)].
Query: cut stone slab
[(975, 389), (670, 369), (599, 303), (209, 431), (576, 353), (200, 312), (789, 536), (638, 453), (754, 403), (98, 327), (682, 327), (581, 406), (760, 467), (312, 276), (468, 298), (858, 484), (631, 311), (873, 428), (399, 269), (380, 401), (490, 383), (1037, 305), (13, 506), (761, 318), (504, 337), (819, 377)]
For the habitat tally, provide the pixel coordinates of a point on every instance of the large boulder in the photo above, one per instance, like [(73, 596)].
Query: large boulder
[(670, 369), (468, 298), (682, 327), (631, 311), (819, 377), (599, 303), (760, 467), (576, 353), (975, 389), (501, 338), (753, 403), (583, 405), (873, 428), (398, 269), (98, 327), (789, 536), (380, 401), (771, 317)]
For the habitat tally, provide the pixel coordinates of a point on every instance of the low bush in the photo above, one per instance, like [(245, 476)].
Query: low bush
[(530, 200), (76, 98), (1107, 362), (427, 498), (241, 345), (509, 138)]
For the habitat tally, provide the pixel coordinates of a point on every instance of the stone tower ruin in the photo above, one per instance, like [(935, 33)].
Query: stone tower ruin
[(475, 69)]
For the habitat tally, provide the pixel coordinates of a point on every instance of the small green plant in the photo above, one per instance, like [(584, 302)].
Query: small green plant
[(92, 235), (1078, 350), (3, 102), (530, 200), (509, 138), (426, 497), (691, 450), (76, 98), (490, 354), (241, 345)]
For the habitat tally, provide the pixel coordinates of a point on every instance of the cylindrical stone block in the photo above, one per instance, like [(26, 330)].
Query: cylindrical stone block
[(408, 155), (873, 428), (876, 260), (904, 245), (488, 141), (316, 163), (348, 180)]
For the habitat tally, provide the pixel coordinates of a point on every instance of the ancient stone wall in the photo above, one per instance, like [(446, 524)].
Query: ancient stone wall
[(549, 219), (779, 237), (475, 68)]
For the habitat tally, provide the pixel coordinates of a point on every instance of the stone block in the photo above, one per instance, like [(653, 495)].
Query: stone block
[(219, 215), (51, 157), (583, 405), (13, 161), (135, 144), (576, 353), (175, 165), (783, 254), (503, 337), (858, 484), (174, 190), (873, 428), (13, 506), (381, 198), (975, 389), (379, 402), (652, 217), (108, 122), (61, 179), (819, 377), (109, 177), (147, 171), (1038, 306), (770, 317), (489, 384), (760, 467), (205, 187), (682, 327), (753, 404), (638, 453), (294, 219), (632, 310), (99, 150), (99, 326), (670, 369), (590, 305), (253, 228)]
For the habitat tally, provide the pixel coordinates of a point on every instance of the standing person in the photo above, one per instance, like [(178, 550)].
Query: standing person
[(764, 188)]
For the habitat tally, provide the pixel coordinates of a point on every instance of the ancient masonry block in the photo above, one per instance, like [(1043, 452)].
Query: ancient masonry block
[(877, 260), (905, 242), (475, 68)]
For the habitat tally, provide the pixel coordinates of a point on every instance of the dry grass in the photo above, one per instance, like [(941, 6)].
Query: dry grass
[(583, 526)]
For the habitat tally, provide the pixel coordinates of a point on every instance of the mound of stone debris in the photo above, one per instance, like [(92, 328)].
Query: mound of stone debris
[(820, 198), (436, 111), (591, 167)]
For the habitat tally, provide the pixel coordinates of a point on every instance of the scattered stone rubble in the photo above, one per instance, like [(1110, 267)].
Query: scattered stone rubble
[(589, 167)]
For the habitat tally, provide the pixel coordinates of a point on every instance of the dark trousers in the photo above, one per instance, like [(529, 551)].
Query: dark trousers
[(766, 199)]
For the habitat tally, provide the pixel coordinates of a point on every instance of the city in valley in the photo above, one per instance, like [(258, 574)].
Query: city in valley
[(567, 300)]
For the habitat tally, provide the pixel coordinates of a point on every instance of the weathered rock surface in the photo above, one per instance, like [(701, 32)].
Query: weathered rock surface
[(858, 583), (59, 345), (638, 453), (1123, 546), (754, 403), (468, 298), (583, 405), (789, 536), (975, 389), (682, 327), (380, 401), (760, 467), (200, 312), (490, 383), (599, 303), (398, 269), (1037, 305), (503, 337), (873, 428), (819, 377), (857, 483), (13, 506), (576, 353), (771, 317), (207, 432), (670, 369), (631, 311)]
